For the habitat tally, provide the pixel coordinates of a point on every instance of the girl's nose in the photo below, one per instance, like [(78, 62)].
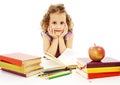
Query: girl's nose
[(59, 26)]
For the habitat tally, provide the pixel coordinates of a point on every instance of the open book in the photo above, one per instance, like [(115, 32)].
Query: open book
[(66, 60)]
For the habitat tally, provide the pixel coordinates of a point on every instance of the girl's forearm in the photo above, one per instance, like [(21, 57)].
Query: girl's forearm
[(53, 48), (62, 45)]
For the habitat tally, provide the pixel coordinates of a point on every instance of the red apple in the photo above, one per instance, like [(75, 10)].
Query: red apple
[(96, 53)]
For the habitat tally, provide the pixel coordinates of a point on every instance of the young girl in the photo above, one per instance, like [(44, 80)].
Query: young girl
[(57, 30)]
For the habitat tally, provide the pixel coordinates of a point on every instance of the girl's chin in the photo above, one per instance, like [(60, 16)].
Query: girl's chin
[(58, 33)]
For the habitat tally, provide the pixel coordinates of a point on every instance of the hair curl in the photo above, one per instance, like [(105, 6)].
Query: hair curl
[(53, 9)]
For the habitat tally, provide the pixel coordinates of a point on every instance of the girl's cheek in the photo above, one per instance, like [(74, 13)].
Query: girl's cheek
[(66, 26), (52, 26)]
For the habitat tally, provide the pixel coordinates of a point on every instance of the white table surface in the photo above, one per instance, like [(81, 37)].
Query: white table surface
[(7, 78)]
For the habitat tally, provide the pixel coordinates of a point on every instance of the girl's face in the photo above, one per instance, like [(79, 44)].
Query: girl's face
[(57, 22)]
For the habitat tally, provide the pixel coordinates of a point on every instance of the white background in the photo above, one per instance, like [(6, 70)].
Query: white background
[(95, 21)]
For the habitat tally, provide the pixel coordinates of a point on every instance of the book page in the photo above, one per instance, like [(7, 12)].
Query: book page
[(53, 58), (68, 57), (49, 65)]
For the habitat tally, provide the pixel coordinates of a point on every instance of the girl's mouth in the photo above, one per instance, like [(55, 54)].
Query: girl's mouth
[(58, 30)]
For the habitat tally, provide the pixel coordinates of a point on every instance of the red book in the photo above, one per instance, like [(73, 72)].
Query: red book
[(102, 75), (20, 59), (96, 75), (106, 62)]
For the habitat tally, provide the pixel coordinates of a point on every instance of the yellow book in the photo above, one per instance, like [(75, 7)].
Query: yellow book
[(103, 69), (31, 73), (20, 69)]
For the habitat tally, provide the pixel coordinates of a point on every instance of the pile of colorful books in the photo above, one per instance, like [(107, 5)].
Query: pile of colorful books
[(108, 67), (21, 64)]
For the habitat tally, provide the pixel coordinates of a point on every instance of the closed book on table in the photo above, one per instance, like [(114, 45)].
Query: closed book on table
[(106, 62), (31, 73), (20, 69), (106, 65), (103, 69), (96, 75), (20, 59)]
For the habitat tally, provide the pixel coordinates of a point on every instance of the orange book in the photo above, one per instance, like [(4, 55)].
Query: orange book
[(20, 59)]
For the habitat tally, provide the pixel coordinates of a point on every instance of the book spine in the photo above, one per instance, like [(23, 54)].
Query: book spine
[(102, 75), (12, 67), (11, 60), (14, 72), (103, 69), (96, 75), (96, 64)]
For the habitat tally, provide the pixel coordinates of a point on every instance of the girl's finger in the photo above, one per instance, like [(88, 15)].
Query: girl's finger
[(50, 31)]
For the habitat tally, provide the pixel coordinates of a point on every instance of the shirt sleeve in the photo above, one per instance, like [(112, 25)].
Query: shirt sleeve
[(67, 35), (46, 34)]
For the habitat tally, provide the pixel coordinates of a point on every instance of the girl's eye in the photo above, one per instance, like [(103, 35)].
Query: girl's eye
[(61, 22), (54, 22)]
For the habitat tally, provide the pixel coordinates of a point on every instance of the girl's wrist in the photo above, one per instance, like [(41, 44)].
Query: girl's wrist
[(60, 38), (55, 37)]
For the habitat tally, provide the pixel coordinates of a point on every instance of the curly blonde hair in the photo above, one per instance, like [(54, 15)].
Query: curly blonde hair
[(53, 9)]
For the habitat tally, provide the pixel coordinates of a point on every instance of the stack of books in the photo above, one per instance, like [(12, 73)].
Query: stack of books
[(21, 64), (108, 67)]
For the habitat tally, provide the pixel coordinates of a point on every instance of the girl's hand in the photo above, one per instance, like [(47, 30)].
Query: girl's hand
[(51, 32), (65, 31)]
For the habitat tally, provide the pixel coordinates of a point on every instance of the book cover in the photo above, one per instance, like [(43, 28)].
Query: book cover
[(66, 60), (103, 69), (106, 62), (20, 59), (31, 73), (20, 69), (100, 69), (96, 75)]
